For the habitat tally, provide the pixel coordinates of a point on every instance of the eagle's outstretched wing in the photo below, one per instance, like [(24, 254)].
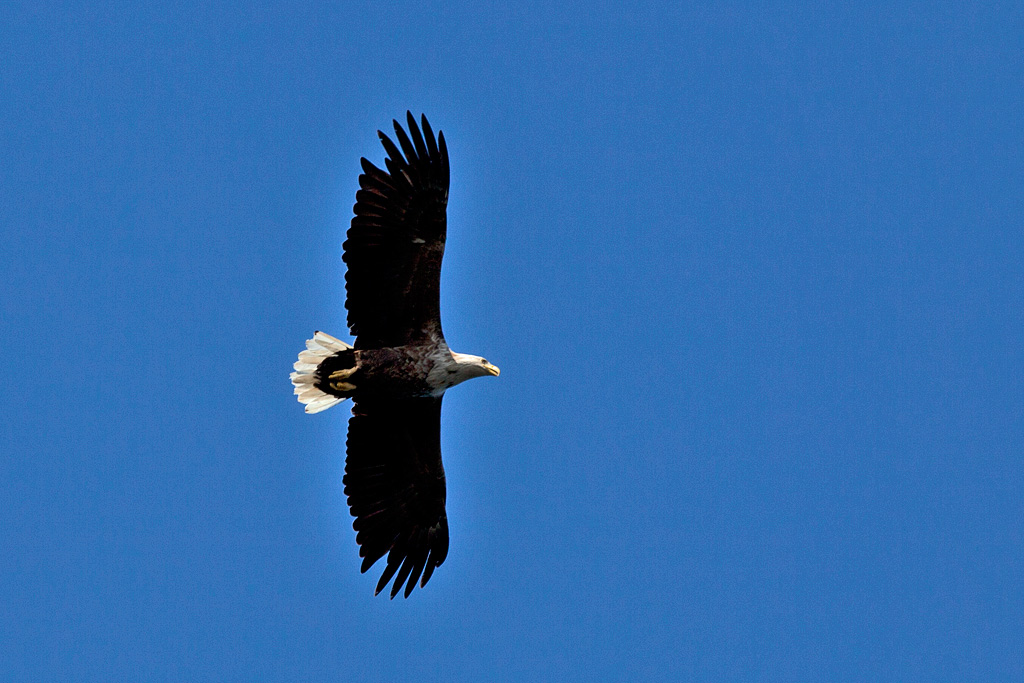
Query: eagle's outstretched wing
[(396, 242), (394, 481)]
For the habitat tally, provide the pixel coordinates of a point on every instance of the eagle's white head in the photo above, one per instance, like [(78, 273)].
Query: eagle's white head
[(467, 367)]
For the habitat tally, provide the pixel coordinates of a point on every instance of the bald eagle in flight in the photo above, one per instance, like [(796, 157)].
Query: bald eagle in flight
[(400, 366)]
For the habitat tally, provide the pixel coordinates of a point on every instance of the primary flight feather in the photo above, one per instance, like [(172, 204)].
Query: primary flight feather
[(400, 366)]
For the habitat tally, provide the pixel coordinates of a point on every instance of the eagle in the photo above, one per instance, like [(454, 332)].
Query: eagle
[(399, 367)]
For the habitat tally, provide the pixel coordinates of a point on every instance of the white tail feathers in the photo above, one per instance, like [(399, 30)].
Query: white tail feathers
[(318, 349)]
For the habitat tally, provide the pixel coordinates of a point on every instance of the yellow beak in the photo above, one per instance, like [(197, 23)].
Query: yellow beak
[(493, 369)]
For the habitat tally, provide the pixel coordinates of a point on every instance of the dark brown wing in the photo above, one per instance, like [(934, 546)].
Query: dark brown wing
[(396, 242), (394, 481)]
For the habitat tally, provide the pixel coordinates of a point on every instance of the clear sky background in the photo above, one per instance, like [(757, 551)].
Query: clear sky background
[(752, 276)]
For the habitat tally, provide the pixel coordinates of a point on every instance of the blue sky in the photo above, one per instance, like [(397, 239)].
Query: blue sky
[(752, 276)]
